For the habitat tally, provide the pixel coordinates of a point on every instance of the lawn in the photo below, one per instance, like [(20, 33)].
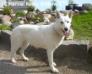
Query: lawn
[(82, 25)]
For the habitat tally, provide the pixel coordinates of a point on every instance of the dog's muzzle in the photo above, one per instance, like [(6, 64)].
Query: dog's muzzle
[(66, 32)]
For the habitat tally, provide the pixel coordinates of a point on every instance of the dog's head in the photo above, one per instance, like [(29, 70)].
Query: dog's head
[(64, 22)]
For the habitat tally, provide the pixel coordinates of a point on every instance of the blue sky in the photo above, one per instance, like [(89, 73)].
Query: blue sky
[(45, 4)]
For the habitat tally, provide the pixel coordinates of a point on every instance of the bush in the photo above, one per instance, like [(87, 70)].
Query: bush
[(0, 20), (20, 14), (1, 11), (13, 20), (7, 10), (5, 27), (87, 6), (37, 18), (31, 8)]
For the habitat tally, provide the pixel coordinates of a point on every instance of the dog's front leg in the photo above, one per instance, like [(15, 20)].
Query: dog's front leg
[(50, 60)]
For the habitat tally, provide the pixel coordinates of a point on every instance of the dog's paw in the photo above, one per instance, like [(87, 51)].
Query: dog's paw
[(25, 59), (55, 70), (13, 60)]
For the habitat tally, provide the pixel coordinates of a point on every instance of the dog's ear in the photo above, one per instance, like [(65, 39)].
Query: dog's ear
[(59, 14), (70, 14)]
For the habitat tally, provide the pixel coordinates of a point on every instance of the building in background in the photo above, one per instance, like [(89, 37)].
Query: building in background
[(17, 4)]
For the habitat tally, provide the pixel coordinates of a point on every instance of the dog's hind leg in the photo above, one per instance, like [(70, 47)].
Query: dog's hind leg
[(15, 45), (13, 54), (24, 46), (16, 42)]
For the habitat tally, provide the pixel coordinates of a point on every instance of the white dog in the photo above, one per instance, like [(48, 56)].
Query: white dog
[(48, 37)]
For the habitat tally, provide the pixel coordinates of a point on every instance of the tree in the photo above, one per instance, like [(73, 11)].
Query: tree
[(53, 7), (71, 2)]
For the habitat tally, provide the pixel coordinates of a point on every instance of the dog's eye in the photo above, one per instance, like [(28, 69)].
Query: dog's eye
[(61, 22)]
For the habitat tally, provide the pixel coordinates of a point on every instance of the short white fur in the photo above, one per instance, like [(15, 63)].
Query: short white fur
[(48, 37)]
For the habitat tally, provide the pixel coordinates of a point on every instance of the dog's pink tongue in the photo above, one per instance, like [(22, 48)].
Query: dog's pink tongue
[(66, 33)]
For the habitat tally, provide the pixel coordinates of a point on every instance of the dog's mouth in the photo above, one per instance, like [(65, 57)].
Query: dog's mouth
[(66, 33)]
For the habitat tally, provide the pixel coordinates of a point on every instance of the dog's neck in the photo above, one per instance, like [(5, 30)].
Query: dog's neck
[(57, 30)]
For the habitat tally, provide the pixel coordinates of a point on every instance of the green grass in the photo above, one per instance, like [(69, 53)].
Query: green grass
[(5, 27), (82, 25)]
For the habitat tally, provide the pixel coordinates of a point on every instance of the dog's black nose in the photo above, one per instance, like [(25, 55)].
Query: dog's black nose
[(65, 29)]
